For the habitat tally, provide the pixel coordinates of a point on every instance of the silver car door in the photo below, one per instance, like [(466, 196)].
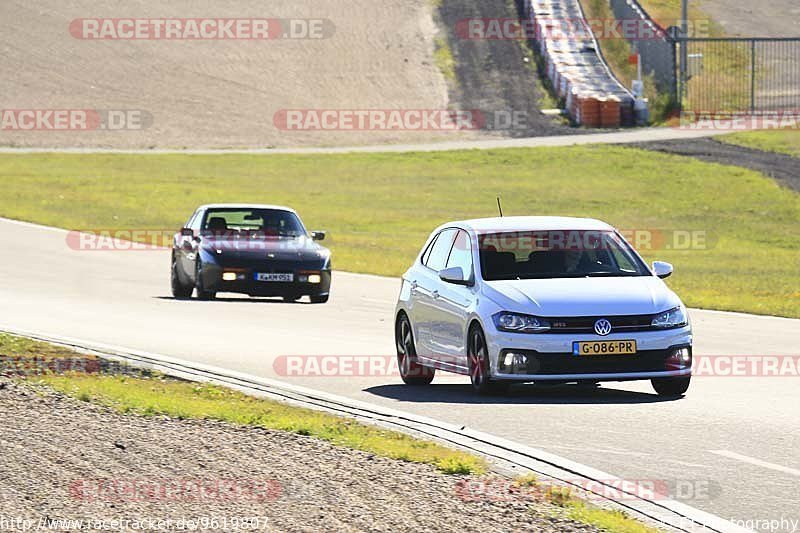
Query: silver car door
[(452, 306), (427, 291)]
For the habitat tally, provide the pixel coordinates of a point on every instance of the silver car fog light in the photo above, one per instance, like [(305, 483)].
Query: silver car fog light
[(680, 359), (515, 363)]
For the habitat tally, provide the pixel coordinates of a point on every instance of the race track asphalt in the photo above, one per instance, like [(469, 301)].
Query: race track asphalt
[(731, 446)]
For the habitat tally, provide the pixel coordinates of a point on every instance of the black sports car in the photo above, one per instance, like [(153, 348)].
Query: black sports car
[(260, 250)]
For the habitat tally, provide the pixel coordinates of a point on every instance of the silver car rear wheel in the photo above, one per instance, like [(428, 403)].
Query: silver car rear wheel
[(411, 372)]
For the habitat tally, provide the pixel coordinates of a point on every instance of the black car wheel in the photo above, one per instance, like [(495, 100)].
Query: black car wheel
[(319, 299), (202, 293), (179, 290), (671, 386), (478, 359), (411, 372)]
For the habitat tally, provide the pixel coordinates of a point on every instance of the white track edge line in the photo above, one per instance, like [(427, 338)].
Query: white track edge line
[(756, 462)]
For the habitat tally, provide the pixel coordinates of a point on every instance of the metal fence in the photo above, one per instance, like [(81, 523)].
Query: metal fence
[(753, 75)]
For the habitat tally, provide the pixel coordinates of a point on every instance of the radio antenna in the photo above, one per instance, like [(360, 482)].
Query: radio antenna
[(499, 207)]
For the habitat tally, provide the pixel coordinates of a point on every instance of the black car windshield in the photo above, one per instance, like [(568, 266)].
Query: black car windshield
[(557, 254), (235, 222)]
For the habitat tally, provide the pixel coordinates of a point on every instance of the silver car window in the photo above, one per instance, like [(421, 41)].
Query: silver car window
[(441, 250), (461, 254)]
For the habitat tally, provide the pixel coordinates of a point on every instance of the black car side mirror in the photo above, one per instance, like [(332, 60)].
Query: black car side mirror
[(318, 235), (187, 232)]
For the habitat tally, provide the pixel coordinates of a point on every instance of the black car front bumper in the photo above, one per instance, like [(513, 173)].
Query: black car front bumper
[(246, 282)]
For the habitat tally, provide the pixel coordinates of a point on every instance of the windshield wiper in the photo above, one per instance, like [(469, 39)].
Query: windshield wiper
[(620, 273)]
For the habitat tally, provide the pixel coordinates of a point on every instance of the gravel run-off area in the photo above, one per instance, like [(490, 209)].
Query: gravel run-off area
[(56, 453)]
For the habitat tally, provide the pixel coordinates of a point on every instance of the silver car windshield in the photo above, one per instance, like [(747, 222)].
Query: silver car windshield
[(557, 254)]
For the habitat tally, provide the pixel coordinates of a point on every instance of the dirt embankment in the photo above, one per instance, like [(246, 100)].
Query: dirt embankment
[(493, 74), (61, 459), (219, 93), (226, 92)]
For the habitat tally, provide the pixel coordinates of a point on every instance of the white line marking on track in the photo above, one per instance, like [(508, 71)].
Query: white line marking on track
[(757, 462), (684, 463), (611, 451)]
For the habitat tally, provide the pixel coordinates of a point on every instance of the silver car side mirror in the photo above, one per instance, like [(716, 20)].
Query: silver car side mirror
[(454, 275), (661, 269)]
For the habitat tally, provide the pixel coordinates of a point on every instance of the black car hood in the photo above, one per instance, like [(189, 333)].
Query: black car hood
[(261, 249)]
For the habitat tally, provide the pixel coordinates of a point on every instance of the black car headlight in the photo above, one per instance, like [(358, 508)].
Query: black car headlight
[(325, 255), (674, 318), (210, 256), (519, 323)]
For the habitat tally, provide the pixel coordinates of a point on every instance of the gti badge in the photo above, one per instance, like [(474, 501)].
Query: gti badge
[(602, 327)]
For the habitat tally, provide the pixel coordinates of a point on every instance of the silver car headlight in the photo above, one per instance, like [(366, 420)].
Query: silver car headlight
[(674, 318), (519, 323)]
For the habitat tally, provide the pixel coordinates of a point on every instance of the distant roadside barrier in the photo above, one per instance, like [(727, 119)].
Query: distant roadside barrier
[(575, 66)]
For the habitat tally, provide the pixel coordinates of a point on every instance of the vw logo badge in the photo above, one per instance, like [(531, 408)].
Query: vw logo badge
[(602, 327)]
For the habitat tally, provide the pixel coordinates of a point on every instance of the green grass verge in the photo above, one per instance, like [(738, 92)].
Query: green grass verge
[(668, 13), (23, 347), (185, 400), (443, 57), (778, 141), (609, 520), (380, 208)]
